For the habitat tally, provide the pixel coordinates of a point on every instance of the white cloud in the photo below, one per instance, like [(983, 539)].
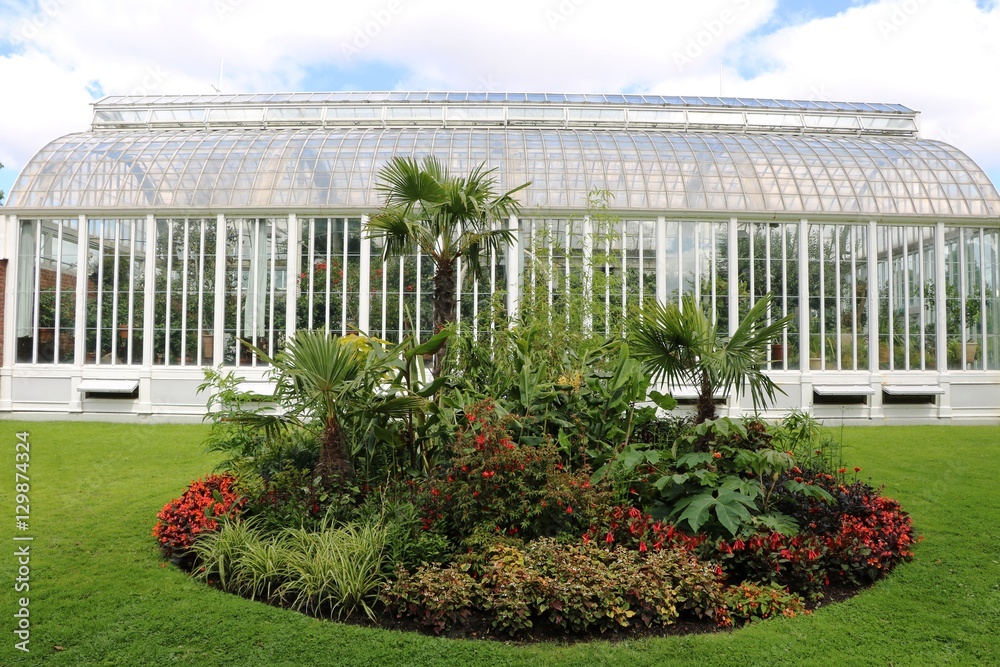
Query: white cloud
[(936, 57)]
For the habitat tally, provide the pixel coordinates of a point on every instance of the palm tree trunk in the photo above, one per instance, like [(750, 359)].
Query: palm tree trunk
[(706, 401), (334, 465), (444, 306)]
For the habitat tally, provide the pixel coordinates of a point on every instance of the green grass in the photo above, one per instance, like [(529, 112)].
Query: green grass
[(98, 589)]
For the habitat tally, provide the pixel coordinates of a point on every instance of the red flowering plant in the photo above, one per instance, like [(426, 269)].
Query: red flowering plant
[(864, 534), (197, 510), (874, 536), (495, 485)]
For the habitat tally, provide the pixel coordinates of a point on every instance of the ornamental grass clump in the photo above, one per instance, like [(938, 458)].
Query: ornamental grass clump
[(334, 572)]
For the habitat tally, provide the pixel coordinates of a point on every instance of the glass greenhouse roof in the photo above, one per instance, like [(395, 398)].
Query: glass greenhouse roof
[(644, 168), (497, 97), (491, 109)]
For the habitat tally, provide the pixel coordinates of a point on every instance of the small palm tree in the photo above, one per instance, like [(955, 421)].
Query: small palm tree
[(684, 347), (445, 217), (339, 382)]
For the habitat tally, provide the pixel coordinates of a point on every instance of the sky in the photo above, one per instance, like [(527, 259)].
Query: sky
[(939, 57)]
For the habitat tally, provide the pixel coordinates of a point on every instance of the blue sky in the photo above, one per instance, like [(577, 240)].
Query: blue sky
[(57, 56)]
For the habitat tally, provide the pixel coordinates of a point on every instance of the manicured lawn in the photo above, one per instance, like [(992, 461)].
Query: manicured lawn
[(98, 589)]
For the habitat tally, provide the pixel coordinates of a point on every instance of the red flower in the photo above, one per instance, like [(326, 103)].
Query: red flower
[(717, 455), (642, 547), (569, 509), (842, 471), (857, 469), (609, 538)]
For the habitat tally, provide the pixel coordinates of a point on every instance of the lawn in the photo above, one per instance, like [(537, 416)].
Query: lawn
[(101, 596)]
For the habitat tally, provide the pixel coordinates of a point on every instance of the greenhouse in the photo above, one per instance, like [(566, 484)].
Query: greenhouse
[(139, 252)]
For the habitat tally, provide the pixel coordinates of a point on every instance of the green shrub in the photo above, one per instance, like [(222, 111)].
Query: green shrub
[(750, 602), (577, 587), (437, 598), (408, 544), (294, 497)]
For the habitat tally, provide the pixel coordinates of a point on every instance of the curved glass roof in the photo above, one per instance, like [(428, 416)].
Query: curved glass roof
[(379, 97), (644, 169)]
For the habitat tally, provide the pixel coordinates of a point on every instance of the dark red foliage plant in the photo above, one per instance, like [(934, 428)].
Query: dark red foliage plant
[(197, 510)]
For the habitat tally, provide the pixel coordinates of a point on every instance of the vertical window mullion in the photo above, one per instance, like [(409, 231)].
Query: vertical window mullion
[(784, 291), (254, 287), (100, 290), (200, 321), (271, 273), (343, 281), (624, 269), (37, 296), (983, 312), (418, 291), (905, 261), (963, 290), (311, 284), (185, 287), (921, 279), (402, 284), (329, 271), (239, 287), (549, 243), (837, 301), (130, 333), (385, 297), (642, 273), (853, 235)]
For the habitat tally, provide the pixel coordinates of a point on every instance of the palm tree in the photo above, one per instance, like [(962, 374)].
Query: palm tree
[(684, 347), (445, 217), (338, 381)]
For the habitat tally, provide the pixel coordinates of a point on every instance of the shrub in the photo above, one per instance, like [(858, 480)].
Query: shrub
[(294, 497), (871, 540), (864, 534), (497, 485), (196, 511), (575, 587), (632, 528), (797, 562), (407, 543), (437, 598), (750, 602)]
